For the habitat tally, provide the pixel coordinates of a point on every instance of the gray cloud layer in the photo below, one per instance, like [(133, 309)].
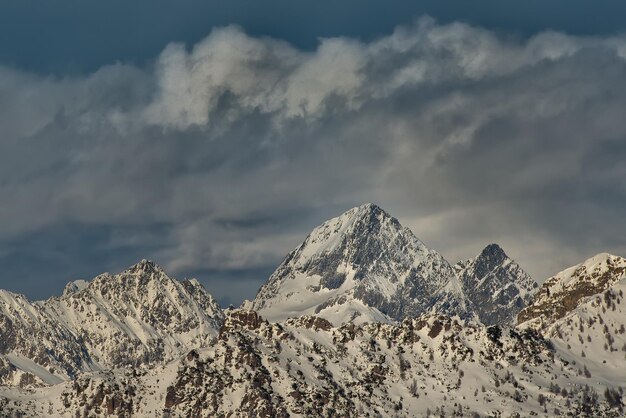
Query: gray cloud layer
[(219, 158)]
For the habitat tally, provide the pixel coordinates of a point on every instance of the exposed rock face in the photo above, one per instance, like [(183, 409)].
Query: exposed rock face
[(139, 317), (363, 266), (496, 286), (563, 292), (107, 395)]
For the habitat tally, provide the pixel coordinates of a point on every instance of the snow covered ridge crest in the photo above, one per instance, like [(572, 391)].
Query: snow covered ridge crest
[(564, 292), (139, 317), (364, 266)]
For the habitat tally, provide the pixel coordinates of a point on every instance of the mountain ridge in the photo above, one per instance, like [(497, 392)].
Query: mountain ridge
[(139, 316), (366, 262), (562, 292)]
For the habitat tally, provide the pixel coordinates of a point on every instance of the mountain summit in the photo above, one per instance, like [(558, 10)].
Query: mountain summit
[(360, 266), (495, 285)]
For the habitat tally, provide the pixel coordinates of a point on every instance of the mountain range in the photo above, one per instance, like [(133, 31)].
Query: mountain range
[(361, 319)]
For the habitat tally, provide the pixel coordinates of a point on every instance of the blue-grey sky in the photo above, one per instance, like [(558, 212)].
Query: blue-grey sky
[(78, 36), (212, 136)]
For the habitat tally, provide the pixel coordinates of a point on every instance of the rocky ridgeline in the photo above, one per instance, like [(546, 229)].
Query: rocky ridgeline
[(140, 317), (563, 292)]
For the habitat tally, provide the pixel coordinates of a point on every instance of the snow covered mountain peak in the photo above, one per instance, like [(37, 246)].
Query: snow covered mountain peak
[(149, 315), (360, 266), (366, 328), (138, 275), (357, 224), (142, 271), (143, 282)]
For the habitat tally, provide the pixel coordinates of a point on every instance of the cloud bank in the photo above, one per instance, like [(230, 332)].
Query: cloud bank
[(218, 158)]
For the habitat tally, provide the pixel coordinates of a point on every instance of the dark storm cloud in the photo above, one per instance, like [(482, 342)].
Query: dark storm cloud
[(219, 157)]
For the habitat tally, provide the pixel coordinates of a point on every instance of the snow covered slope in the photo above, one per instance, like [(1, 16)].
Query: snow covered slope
[(356, 329), (362, 266), (305, 367), (593, 333), (563, 292), (495, 285), (139, 317), (36, 349)]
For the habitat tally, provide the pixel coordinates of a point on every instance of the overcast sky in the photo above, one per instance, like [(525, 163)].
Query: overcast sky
[(212, 137)]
